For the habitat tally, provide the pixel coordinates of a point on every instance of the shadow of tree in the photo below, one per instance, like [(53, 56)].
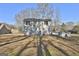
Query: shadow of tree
[(23, 48), (39, 47), (13, 41), (46, 50), (63, 51)]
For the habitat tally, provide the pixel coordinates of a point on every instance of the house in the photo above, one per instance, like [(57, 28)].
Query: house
[(4, 29), (37, 20), (37, 26)]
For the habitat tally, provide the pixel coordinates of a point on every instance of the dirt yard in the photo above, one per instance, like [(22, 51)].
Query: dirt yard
[(20, 45)]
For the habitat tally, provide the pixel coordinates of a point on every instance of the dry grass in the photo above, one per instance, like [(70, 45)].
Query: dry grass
[(34, 45)]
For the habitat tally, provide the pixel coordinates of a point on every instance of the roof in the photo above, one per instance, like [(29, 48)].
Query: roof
[(2, 25), (34, 19)]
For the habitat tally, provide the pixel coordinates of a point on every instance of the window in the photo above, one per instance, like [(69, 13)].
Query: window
[(27, 22), (46, 22)]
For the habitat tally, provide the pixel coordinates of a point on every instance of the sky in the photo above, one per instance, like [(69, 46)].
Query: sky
[(67, 12)]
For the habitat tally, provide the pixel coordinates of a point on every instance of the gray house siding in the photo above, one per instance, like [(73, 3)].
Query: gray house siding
[(34, 26)]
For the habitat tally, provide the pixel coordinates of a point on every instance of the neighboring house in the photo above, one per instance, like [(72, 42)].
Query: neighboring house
[(4, 29), (73, 31), (37, 26)]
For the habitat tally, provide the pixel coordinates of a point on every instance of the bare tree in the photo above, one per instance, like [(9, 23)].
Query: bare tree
[(44, 11), (56, 20)]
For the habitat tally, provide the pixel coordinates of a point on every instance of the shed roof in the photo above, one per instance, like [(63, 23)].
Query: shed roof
[(3, 25)]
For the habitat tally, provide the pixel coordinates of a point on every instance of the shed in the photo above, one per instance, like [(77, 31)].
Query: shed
[(4, 29)]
